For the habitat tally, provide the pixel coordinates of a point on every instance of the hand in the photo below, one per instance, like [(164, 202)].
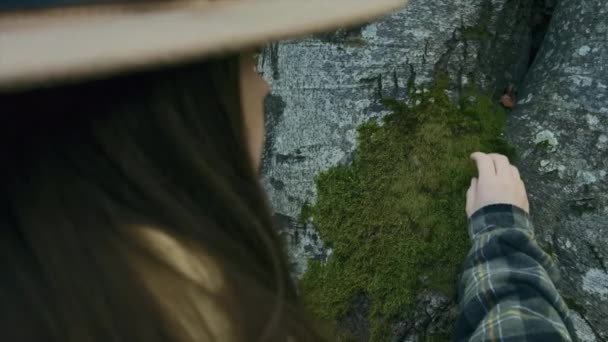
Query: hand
[(499, 182)]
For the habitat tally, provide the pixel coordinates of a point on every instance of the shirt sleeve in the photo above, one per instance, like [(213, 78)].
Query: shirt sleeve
[(507, 290)]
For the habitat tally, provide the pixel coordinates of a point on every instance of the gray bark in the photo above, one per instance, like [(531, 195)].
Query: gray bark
[(561, 128)]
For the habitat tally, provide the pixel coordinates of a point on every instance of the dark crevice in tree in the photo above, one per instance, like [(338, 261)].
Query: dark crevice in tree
[(542, 13)]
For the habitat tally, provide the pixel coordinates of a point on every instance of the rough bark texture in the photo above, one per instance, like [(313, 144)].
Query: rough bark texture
[(326, 86), (561, 129)]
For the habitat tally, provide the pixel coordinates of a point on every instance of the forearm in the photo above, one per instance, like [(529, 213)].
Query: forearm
[(507, 291)]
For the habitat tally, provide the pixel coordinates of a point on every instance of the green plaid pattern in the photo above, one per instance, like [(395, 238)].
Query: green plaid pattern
[(507, 290)]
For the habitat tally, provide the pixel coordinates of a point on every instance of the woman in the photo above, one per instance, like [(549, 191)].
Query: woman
[(131, 141)]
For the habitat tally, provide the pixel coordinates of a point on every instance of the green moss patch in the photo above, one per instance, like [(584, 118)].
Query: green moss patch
[(573, 304), (395, 218)]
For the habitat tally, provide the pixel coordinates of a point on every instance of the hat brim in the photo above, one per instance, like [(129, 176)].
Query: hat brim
[(70, 45)]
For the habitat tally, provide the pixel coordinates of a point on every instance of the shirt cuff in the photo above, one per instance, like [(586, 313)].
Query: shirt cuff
[(496, 216)]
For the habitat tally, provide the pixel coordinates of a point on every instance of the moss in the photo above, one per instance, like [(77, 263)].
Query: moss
[(395, 217), (548, 248), (476, 33), (574, 305), (438, 338)]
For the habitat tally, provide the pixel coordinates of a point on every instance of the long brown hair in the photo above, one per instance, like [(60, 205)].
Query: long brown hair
[(84, 164)]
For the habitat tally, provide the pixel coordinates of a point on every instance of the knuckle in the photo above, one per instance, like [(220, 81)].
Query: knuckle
[(503, 158)]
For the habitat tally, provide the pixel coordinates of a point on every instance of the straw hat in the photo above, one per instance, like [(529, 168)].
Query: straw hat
[(43, 46)]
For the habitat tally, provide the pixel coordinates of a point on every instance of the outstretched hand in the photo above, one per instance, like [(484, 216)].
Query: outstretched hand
[(498, 182)]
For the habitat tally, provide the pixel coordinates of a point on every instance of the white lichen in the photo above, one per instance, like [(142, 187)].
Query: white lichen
[(465, 80), (592, 120), (586, 177), (595, 282), (370, 31), (602, 142), (561, 171), (546, 136), (547, 166), (584, 50), (526, 100), (583, 81), (583, 330)]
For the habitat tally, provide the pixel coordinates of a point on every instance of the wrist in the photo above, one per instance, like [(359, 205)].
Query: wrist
[(496, 216)]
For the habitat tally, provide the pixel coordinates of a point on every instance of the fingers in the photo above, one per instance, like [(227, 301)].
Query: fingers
[(485, 165), (498, 182), (501, 164), (515, 172), (493, 164)]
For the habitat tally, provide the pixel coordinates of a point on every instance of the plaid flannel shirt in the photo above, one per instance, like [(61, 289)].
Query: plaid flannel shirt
[(507, 291)]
